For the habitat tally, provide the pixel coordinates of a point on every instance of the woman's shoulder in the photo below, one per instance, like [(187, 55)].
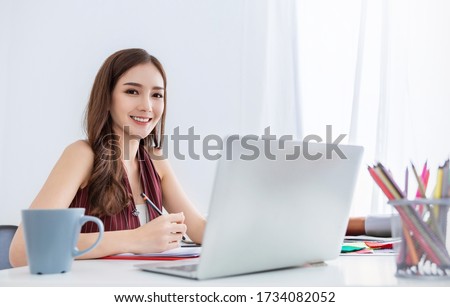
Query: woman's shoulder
[(78, 158), (159, 160), (81, 150)]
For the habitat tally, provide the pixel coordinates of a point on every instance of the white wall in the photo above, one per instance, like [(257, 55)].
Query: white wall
[(50, 52)]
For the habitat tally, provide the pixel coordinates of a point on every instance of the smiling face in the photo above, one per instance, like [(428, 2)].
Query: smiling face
[(137, 101)]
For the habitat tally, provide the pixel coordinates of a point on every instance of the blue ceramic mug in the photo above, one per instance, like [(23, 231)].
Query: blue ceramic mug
[(51, 237)]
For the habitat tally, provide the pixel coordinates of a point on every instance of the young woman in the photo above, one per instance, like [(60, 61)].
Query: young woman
[(120, 160)]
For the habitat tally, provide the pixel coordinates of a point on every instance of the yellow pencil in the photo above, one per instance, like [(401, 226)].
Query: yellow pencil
[(437, 193), (387, 182)]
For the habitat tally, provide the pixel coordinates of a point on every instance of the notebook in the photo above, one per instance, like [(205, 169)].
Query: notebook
[(273, 207)]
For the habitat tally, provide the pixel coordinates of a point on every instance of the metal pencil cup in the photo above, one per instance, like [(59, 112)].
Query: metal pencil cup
[(424, 248)]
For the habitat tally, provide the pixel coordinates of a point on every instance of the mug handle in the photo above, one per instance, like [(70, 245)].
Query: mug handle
[(84, 219)]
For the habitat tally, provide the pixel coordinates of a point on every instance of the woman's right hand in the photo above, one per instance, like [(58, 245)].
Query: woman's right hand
[(161, 234)]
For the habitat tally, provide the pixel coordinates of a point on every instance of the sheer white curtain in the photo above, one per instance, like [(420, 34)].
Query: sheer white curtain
[(383, 63), (270, 68), (414, 94)]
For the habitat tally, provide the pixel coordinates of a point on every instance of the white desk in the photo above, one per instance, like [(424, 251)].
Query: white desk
[(374, 270)]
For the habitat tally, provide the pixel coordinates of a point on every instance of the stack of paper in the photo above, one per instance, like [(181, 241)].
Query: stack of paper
[(173, 254)]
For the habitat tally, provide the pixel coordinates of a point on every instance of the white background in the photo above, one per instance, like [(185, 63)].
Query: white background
[(51, 51)]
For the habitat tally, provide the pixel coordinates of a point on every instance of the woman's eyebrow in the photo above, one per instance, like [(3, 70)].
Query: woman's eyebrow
[(140, 85), (133, 84)]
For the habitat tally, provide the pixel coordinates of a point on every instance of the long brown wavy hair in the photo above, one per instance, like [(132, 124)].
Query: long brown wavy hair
[(107, 193)]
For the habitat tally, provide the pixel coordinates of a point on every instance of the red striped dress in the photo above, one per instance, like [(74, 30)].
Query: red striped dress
[(125, 219)]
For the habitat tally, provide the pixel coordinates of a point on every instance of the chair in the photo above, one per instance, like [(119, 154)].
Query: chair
[(6, 234)]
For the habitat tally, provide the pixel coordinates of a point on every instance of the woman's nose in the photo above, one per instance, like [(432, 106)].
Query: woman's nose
[(146, 104)]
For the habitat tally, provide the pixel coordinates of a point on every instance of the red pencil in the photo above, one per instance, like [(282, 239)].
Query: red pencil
[(380, 183)]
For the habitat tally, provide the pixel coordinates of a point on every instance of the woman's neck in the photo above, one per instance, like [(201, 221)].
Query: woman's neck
[(129, 151)]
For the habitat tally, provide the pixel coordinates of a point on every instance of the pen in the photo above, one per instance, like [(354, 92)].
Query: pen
[(154, 206), (151, 203)]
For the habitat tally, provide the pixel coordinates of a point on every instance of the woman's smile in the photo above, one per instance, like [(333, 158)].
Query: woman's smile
[(141, 120)]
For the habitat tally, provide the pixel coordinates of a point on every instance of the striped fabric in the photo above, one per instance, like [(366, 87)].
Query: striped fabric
[(125, 219)]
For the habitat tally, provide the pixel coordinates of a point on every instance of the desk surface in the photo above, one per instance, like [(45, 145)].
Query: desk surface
[(374, 270)]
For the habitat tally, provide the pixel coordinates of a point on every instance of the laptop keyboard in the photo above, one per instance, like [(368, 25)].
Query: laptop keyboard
[(183, 268)]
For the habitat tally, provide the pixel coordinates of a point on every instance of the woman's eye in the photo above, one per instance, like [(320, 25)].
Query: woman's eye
[(132, 92), (158, 95)]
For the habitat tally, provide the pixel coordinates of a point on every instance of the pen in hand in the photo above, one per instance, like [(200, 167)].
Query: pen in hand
[(154, 207), (151, 203)]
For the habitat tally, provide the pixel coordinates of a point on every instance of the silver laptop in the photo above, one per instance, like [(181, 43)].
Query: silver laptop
[(273, 206)]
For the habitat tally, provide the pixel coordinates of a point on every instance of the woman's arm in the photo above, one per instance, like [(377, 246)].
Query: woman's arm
[(73, 171), (175, 200), (160, 234), (70, 172), (356, 226), (379, 225)]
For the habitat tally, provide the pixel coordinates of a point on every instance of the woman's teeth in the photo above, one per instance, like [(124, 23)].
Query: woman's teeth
[(140, 119)]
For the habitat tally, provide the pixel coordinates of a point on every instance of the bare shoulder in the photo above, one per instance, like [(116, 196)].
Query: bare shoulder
[(160, 161), (78, 160), (80, 150)]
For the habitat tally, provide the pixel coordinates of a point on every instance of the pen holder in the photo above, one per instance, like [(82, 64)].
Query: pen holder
[(424, 248)]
